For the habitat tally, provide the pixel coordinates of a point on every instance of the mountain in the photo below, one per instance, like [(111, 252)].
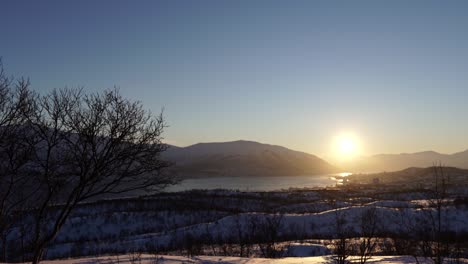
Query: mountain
[(413, 175), (244, 158), (394, 162)]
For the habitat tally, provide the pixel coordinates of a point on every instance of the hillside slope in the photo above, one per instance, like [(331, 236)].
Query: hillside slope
[(244, 158)]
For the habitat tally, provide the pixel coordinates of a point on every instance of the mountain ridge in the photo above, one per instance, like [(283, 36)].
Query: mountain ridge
[(251, 158), (395, 162), (244, 158)]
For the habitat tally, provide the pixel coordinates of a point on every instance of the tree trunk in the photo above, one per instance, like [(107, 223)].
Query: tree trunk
[(38, 252), (3, 257)]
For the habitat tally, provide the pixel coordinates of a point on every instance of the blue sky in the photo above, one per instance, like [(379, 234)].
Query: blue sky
[(292, 73)]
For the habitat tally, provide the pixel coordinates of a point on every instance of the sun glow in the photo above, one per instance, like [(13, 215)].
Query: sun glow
[(346, 146)]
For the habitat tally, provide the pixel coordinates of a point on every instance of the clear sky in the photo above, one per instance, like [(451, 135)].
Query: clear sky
[(295, 73)]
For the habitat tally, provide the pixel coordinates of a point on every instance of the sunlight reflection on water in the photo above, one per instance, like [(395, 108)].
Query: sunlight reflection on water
[(344, 174), (265, 183)]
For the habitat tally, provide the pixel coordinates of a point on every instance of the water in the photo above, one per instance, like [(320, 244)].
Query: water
[(265, 183)]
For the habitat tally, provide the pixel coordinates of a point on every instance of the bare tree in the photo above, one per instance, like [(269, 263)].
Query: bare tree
[(369, 228), (425, 233), (14, 154), (267, 233), (67, 147), (342, 246), (87, 146), (438, 196), (243, 234)]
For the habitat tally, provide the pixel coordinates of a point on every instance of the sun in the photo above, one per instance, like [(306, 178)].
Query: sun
[(346, 146)]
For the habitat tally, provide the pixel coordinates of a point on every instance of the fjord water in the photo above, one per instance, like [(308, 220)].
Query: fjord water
[(265, 183)]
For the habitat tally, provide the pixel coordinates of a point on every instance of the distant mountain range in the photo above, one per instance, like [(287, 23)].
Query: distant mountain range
[(394, 162), (244, 158), (249, 158), (413, 175)]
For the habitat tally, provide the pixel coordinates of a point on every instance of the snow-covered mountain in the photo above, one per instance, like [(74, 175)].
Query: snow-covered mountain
[(244, 158)]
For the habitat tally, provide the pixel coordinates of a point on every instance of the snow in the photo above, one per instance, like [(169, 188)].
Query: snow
[(165, 259), (318, 224), (152, 225), (310, 225)]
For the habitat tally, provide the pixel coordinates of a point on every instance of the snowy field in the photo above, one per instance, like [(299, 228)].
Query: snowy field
[(298, 224), (163, 259)]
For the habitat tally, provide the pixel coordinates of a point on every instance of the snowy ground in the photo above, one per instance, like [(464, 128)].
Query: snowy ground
[(158, 259), (214, 219)]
